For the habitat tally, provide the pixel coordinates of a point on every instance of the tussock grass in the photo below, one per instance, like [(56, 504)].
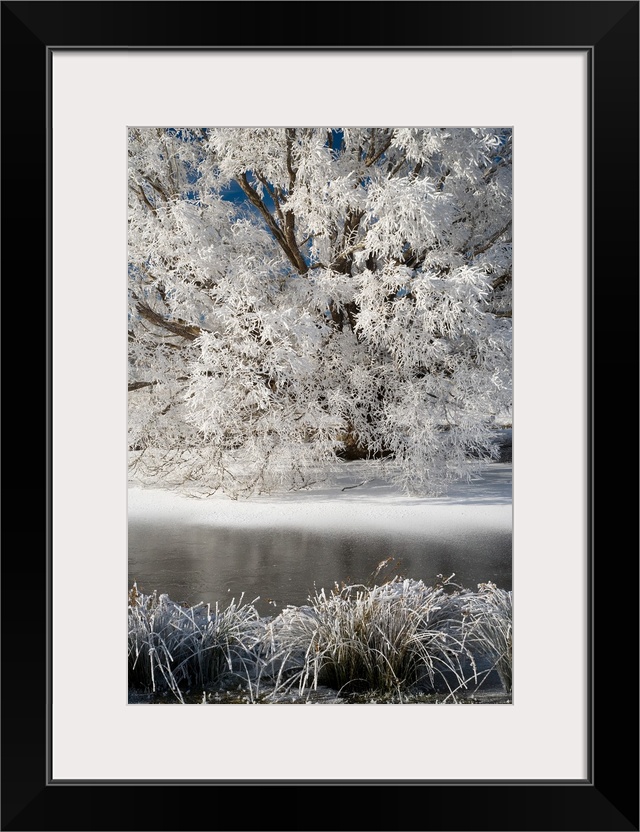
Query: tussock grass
[(400, 636), (177, 648), (487, 622), (397, 639)]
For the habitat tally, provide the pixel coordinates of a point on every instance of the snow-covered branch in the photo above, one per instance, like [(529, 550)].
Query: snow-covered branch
[(302, 296)]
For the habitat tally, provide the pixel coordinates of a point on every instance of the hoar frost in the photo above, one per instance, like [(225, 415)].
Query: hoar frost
[(302, 296)]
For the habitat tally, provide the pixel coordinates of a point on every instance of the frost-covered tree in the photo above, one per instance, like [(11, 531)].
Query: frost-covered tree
[(301, 296)]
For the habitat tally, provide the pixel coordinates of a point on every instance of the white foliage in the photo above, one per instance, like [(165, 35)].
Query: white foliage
[(298, 296)]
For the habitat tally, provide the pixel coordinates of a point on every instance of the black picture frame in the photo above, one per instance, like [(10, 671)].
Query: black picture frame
[(608, 798)]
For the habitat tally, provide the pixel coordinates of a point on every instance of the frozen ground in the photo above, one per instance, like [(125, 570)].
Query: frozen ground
[(484, 503)]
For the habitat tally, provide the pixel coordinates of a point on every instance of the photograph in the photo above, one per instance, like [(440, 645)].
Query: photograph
[(320, 414), (303, 274)]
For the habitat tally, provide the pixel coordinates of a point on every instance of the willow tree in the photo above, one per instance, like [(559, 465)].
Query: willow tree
[(302, 296)]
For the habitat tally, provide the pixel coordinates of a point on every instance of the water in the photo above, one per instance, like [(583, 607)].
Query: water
[(193, 563)]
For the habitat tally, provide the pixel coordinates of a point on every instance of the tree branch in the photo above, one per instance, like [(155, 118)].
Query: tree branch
[(382, 150), (138, 385), (285, 241), (501, 280), (155, 185), (291, 137), (505, 159), (178, 327), (141, 193), (344, 261), (481, 248), (398, 166)]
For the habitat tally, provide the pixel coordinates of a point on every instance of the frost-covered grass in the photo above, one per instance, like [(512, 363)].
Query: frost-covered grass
[(177, 648), (487, 625), (397, 639)]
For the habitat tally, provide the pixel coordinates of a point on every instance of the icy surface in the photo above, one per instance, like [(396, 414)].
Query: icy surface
[(482, 503), (280, 548)]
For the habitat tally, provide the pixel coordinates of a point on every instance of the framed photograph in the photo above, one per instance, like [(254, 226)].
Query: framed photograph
[(557, 84)]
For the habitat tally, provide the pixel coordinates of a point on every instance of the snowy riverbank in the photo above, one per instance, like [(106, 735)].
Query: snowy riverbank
[(482, 504), (275, 548)]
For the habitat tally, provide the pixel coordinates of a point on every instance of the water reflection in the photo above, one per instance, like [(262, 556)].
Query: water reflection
[(193, 563)]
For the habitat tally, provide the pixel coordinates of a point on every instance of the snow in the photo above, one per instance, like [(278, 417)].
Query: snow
[(483, 504)]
